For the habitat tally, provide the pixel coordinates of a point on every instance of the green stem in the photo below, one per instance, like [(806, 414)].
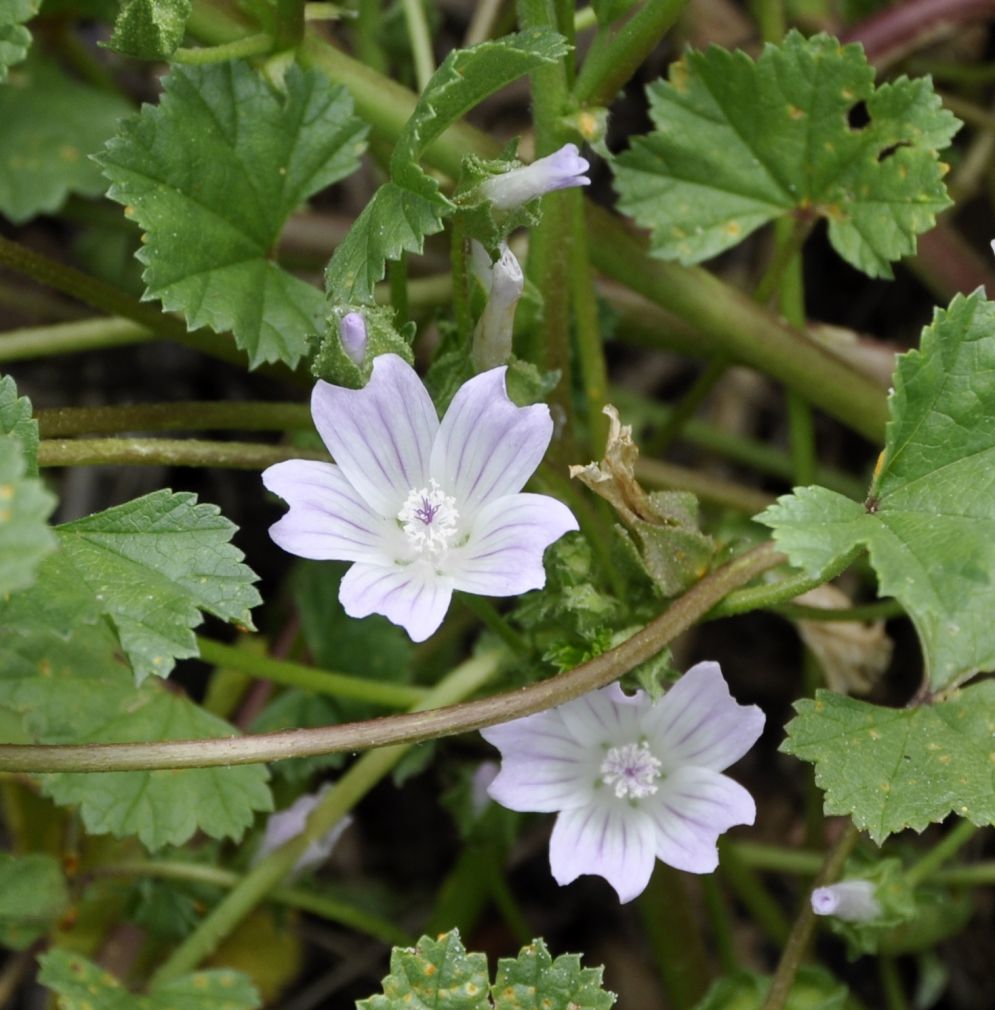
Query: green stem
[(67, 338), (719, 919), (368, 21), (421, 41), (688, 405), (332, 807), (770, 17), (674, 938), (891, 983), (327, 907), (239, 49), (397, 276), (782, 591), (289, 24), (614, 58), (461, 281), (801, 931), (976, 875), (750, 890), (681, 614), (483, 609), (282, 671), (880, 610), (167, 452), (184, 416), (775, 857), (951, 843)]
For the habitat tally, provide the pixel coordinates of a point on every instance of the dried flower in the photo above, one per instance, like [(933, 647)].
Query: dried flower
[(421, 508), (633, 781), (352, 330), (849, 900), (284, 825), (560, 170)]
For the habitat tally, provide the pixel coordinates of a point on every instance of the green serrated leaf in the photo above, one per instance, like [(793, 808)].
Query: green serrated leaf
[(150, 29), (891, 769), (51, 124), (740, 142), (435, 973), (33, 896), (151, 566), (212, 187), (163, 807), (930, 521), (534, 981), (82, 985), (813, 989), (25, 505), (15, 39), (16, 419)]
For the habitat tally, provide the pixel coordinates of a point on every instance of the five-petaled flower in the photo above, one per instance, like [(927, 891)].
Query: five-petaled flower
[(560, 170), (633, 781), (420, 507)]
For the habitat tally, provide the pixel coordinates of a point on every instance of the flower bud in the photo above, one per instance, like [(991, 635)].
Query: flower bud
[(284, 825), (352, 330), (849, 900), (560, 170), (492, 336)]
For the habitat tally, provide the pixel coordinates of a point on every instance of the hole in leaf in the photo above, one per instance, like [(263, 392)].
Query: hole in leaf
[(887, 152), (858, 117)]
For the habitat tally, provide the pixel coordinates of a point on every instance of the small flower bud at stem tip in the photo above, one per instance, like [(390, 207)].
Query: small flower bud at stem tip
[(492, 336), (849, 900), (352, 330), (560, 170)]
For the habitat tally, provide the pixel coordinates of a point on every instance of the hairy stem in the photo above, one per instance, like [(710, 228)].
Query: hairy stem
[(167, 452), (413, 727), (951, 843)]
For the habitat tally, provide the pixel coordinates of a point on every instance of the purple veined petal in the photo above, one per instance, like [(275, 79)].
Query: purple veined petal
[(487, 447), (543, 768), (328, 520), (610, 839), (690, 810), (412, 596), (607, 717), (503, 554), (698, 722), (381, 436)]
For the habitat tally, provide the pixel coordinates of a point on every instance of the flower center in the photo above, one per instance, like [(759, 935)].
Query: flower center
[(428, 517), (631, 770)]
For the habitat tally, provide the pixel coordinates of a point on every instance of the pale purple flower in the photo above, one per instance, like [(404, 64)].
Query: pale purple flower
[(633, 781), (560, 170), (284, 825), (420, 507), (849, 900), (352, 330), (492, 335)]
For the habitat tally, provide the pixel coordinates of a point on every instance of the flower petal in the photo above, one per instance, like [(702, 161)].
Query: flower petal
[(327, 519), (699, 723), (412, 596), (543, 767), (381, 436), (487, 447), (606, 717), (691, 808), (503, 555), (610, 839)]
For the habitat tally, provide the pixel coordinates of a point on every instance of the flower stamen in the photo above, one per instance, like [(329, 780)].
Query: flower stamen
[(631, 770), (428, 517)]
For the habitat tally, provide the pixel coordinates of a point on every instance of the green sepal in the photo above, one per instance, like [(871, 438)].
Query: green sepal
[(333, 364)]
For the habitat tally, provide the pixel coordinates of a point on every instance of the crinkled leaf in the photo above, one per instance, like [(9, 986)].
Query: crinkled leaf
[(813, 989), (534, 981), (33, 896), (17, 419), (890, 768), (740, 142), (436, 973), (82, 985), (25, 504), (930, 521), (409, 207), (51, 124), (14, 37), (151, 566), (212, 187), (150, 29), (164, 807)]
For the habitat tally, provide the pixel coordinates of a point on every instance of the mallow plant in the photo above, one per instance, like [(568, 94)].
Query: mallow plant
[(496, 505)]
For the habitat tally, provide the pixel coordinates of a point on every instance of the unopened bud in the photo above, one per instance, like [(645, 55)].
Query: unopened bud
[(284, 825), (492, 336), (352, 330), (560, 170), (849, 900)]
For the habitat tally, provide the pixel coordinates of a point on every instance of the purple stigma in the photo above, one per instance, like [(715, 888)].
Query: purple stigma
[(426, 512)]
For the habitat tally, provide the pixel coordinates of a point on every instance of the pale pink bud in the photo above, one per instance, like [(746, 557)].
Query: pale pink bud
[(560, 170), (352, 330)]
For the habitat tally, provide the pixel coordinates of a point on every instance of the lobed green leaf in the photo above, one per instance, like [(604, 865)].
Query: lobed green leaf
[(211, 174), (929, 523), (15, 39), (891, 769), (33, 896), (740, 142), (150, 29)]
